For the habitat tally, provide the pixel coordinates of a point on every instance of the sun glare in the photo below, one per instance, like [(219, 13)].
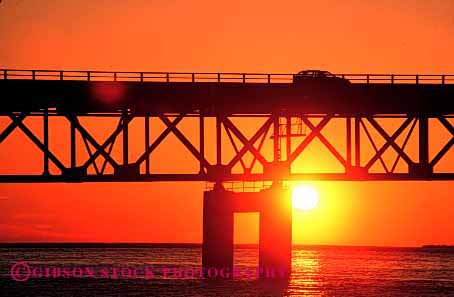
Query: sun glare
[(304, 197)]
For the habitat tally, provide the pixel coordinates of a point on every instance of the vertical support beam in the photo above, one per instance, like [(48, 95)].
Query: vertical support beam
[(147, 143), (423, 140), (125, 138), (202, 141), (349, 142), (289, 138), (218, 140), (276, 138), (357, 141), (73, 144), (46, 140)]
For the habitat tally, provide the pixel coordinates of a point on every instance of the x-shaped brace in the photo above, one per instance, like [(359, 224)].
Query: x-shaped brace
[(248, 145), (390, 141), (327, 144), (171, 126), (315, 132), (100, 149), (185, 141)]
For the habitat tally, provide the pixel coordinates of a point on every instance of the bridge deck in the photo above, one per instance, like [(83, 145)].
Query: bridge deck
[(211, 93)]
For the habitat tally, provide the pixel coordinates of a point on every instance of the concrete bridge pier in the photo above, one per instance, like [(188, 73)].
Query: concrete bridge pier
[(217, 248), (275, 244)]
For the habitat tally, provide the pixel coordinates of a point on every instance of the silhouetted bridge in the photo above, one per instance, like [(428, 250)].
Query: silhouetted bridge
[(413, 100), (287, 117)]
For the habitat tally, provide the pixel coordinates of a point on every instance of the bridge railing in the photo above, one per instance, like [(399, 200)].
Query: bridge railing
[(215, 77)]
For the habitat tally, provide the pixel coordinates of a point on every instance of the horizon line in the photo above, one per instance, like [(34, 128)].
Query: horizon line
[(194, 244)]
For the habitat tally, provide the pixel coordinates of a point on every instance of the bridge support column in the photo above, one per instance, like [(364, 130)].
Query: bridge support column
[(217, 248), (275, 245), (275, 256)]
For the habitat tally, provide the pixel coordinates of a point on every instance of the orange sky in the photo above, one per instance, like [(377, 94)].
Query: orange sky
[(282, 36)]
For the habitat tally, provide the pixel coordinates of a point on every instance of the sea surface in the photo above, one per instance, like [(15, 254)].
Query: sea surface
[(316, 271)]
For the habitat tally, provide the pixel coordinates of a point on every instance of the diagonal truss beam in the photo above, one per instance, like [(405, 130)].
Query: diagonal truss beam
[(315, 131), (158, 140), (13, 126), (185, 141), (100, 149), (90, 155), (404, 144), (254, 160), (372, 142), (325, 142), (109, 142), (232, 141), (390, 141), (248, 145), (448, 145), (19, 122)]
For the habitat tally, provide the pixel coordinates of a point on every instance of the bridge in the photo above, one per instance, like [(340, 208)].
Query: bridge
[(218, 99), (291, 117)]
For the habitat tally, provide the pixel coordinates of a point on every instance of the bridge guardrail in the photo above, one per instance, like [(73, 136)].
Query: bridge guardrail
[(215, 77)]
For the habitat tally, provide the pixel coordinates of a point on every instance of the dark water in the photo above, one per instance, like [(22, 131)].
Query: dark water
[(316, 271)]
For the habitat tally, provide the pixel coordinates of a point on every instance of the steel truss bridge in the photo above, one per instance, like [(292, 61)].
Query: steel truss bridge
[(412, 101)]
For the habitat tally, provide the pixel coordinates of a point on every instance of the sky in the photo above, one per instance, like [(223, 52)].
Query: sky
[(223, 36)]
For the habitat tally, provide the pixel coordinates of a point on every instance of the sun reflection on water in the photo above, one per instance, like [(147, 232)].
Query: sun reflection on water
[(306, 274)]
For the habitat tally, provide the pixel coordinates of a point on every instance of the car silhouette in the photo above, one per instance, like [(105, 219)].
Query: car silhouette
[(317, 77)]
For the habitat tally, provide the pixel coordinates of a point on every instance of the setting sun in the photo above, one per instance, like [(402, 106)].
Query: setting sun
[(304, 197)]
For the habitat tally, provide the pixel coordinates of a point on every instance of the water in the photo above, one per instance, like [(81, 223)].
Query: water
[(316, 271)]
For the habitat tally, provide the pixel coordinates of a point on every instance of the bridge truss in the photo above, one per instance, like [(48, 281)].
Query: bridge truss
[(100, 164)]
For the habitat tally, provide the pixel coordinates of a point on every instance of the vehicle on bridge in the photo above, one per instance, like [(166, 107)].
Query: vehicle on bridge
[(317, 77)]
